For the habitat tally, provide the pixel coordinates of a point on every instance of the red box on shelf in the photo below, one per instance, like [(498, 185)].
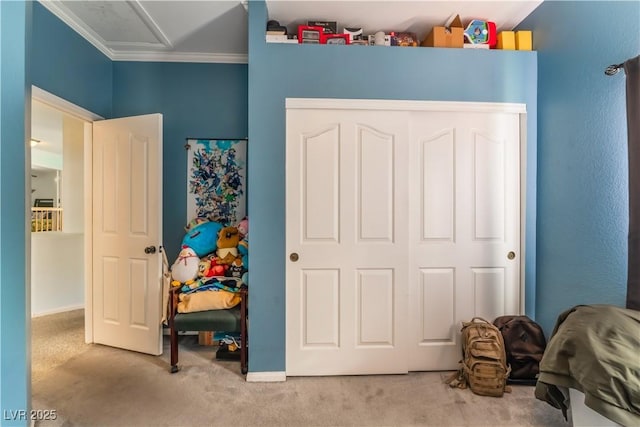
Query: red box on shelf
[(335, 39), (310, 34)]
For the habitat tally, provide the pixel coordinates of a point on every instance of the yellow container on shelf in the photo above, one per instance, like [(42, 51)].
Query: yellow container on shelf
[(524, 40), (506, 40)]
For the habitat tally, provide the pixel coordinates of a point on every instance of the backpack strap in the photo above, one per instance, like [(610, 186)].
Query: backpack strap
[(457, 379)]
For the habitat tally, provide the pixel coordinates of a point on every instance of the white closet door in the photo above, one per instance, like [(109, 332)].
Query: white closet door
[(464, 228), (347, 242)]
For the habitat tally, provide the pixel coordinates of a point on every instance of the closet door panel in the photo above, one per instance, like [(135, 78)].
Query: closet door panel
[(346, 227), (464, 219), (437, 175)]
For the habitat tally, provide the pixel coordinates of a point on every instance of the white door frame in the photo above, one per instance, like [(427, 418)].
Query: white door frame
[(88, 117)]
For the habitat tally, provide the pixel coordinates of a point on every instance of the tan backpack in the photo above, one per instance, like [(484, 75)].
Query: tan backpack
[(484, 362)]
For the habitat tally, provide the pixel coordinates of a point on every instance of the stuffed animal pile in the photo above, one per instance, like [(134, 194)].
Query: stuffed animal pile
[(212, 257)]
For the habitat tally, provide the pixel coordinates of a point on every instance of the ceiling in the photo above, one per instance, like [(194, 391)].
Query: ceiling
[(216, 30)]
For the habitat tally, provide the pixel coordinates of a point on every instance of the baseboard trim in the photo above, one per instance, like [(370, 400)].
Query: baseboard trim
[(167, 332), (266, 377), (58, 310)]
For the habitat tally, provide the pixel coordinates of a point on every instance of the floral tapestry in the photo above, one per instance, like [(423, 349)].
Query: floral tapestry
[(216, 180)]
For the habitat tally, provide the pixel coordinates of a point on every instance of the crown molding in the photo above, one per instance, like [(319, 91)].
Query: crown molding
[(221, 58), (150, 22), (74, 22), (71, 20)]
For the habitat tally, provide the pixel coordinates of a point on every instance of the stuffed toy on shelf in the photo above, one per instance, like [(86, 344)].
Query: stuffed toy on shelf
[(236, 268), (243, 228), (210, 267), (202, 236), (228, 239)]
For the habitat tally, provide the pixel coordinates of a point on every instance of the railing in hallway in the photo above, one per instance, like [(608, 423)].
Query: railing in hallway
[(46, 219)]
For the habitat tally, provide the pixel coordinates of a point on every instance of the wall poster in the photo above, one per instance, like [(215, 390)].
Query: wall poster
[(216, 179)]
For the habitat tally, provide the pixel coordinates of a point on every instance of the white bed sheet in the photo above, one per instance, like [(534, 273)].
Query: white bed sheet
[(583, 416)]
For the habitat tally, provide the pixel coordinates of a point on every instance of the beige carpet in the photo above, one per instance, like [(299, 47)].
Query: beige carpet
[(93, 385)]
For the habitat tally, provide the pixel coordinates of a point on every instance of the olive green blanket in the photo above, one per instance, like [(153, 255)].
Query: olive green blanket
[(595, 349)]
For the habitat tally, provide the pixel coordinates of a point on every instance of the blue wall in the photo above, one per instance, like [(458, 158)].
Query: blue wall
[(582, 152), (68, 66), (280, 71), (196, 100), (15, 95)]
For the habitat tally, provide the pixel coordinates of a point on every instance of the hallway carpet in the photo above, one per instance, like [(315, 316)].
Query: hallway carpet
[(94, 385)]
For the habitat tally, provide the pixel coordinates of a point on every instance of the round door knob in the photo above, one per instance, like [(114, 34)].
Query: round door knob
[(511, 255), (294, 257), (150, 250)]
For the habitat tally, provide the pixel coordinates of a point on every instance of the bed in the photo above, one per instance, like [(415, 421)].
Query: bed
[(591, 367)]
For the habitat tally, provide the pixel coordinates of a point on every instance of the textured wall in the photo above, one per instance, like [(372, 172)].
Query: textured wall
[(582, 160), (15, 95), (65, 64), (196, 100), (280, 71)]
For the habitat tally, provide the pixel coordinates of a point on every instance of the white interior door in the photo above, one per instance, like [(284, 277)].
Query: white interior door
[(347, 242), (465, 222), (127, 218)]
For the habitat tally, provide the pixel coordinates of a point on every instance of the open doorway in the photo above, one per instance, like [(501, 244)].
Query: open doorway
[(83, 184), (57, 211), (58, 220), (115, 213), (60, 214)]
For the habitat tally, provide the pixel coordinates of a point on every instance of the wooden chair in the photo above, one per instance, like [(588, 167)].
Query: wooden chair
[(227, 320)]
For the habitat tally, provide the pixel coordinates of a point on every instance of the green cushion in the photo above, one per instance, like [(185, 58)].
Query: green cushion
[(210, 320)]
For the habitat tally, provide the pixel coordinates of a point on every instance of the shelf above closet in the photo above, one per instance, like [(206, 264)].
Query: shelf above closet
[(414, 16)]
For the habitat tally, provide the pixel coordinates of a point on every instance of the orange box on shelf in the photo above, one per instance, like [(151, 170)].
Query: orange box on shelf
[(506, 40), (451, 35), (524, 40)]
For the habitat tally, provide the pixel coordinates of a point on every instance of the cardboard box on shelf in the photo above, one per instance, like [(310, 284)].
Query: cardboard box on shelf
[(506, 40), (449, 35), (524, 40)]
